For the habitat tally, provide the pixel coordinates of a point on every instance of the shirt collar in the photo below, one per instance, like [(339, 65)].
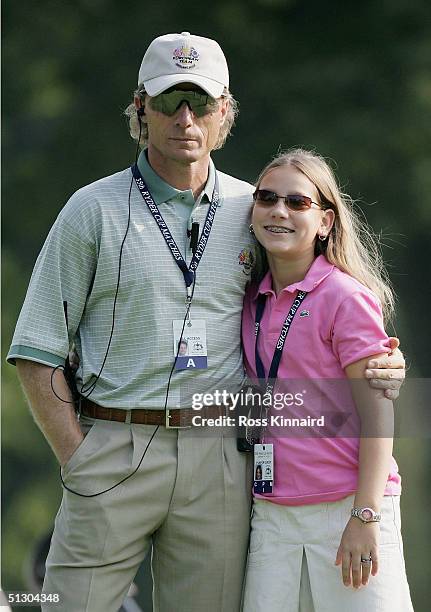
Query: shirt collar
[(319, 270), (162, 191), (207, 193)]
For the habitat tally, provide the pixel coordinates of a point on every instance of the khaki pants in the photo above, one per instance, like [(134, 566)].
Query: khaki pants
[(292, 555), (190, 499)]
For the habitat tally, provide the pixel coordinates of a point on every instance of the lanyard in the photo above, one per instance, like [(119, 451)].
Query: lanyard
[(273, 370), (188, 271)]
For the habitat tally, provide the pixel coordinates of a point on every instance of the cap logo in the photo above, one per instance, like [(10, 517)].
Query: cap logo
[(185, 57)]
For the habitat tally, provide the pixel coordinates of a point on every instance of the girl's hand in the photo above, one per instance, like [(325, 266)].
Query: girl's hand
[(358, 540)]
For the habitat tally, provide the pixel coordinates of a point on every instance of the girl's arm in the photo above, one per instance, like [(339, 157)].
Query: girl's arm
[(375, 452)]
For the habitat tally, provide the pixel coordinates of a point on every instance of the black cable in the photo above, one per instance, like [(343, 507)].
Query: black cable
[(189, 302), (92, 386)]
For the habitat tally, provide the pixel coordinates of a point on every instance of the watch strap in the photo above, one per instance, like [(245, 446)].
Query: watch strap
[(366, 514)]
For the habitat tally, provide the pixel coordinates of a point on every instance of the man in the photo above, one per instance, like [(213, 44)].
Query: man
[(117, 276)]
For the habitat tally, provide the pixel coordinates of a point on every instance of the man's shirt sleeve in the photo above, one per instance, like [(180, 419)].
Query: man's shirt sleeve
[(63, 273)]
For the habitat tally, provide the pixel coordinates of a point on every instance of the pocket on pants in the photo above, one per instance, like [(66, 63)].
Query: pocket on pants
[(80, 452), (259, 526), (103, 459), (256, 541), (390, 525)]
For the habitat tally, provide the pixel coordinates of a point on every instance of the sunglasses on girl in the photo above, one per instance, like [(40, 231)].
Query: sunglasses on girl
[(296, 203), (199, 102)]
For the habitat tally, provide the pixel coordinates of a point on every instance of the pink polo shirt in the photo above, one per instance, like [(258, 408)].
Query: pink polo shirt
[(339, 322)]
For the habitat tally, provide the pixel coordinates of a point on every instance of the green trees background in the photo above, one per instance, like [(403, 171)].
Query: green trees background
[(351, 80)]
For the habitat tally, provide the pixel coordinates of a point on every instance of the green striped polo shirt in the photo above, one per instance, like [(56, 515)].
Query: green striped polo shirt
[(79, 263)]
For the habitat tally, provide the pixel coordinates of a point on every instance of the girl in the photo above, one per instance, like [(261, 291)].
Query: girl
[(310, 325)]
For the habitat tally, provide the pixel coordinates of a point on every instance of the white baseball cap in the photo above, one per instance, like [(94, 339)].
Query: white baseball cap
[(184, 58)]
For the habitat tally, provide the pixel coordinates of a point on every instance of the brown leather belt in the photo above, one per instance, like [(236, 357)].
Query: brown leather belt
[(178, 418)]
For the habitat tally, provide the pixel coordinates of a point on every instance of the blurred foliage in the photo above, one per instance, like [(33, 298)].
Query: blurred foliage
[(351, 80)]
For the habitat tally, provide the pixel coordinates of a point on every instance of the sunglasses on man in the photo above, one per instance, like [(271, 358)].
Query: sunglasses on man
[(199, 102), (296, 203)]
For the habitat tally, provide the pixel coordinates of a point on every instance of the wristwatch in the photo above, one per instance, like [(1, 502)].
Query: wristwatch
[(366, 515)]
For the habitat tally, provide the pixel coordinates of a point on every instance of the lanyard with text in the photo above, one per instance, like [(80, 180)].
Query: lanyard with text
[(188, 271), (273, 370)]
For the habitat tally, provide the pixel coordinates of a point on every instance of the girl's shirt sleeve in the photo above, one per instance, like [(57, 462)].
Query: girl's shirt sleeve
[(358, 330)]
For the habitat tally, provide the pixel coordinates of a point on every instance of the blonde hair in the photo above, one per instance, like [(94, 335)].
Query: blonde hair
[(134, 127), (351, 244)]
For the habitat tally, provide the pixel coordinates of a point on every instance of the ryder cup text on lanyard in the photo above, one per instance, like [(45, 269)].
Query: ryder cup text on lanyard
[(188, 271), (273, 370)]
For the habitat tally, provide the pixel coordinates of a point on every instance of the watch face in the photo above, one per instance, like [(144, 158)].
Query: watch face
[(366, 514)]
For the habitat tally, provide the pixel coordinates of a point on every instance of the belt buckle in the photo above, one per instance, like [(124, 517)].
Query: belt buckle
[(168, 424)]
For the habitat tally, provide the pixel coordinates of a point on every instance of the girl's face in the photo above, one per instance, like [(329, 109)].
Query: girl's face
[(282, 232)]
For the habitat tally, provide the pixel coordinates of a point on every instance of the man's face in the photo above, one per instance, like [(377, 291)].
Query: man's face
[(184, 137)]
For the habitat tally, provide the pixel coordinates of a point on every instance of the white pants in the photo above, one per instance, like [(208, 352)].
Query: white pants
[(291, 562)]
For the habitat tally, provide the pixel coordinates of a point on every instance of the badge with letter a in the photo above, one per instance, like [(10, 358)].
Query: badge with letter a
[(190, 347)]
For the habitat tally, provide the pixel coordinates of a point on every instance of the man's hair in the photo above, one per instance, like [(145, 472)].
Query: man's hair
[(225, 129)]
